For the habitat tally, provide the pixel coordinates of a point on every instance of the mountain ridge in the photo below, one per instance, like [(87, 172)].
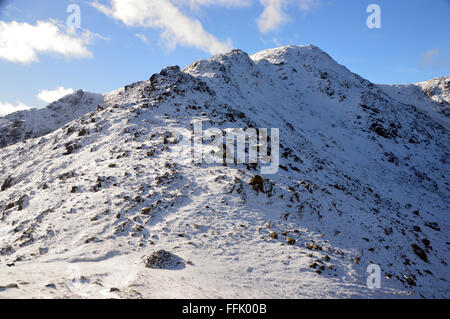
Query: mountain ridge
[(10, 125)]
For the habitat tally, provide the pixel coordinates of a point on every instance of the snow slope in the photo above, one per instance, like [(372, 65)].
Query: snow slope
[(431, 97), (362, 180)]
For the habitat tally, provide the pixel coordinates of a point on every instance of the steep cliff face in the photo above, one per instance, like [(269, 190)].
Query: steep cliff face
[(362, 180)]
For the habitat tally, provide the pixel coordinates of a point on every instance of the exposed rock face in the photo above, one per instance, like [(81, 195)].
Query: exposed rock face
[(257, 182)]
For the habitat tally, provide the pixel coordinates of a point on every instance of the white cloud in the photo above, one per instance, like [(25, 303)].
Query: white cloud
[(177, 28), (22, 42), (432, 59), (143, 38), (195, 4), (305, 5), (274, 14), (50, 96), (7, 108)]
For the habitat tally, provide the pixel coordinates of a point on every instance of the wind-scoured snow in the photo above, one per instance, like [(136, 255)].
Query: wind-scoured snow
[(363, 180)]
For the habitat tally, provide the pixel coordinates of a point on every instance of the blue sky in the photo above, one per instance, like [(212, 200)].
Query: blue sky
[(123, 41)]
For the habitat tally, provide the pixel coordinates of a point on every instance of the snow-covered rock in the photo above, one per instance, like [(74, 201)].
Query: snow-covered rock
[(438, 90)]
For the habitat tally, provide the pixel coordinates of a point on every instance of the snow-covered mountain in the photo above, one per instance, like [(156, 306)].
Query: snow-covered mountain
[(362, 180), (26, 124)]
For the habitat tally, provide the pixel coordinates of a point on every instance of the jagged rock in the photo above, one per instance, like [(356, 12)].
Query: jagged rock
[(313, 246), (257, 182), (420, 252), (70, 147), (22, 202), (9, 286), (162, 259), (290, 241), (74, 189), (6, 184), (6, 251), (433, 226), (82, 132), (409, 280), (427, 243)]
